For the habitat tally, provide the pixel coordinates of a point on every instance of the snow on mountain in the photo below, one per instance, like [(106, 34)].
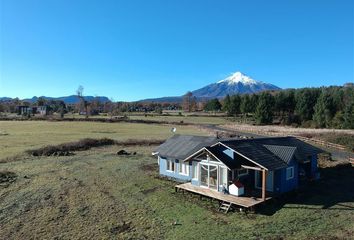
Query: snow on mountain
[(238, 77), (236, 83)]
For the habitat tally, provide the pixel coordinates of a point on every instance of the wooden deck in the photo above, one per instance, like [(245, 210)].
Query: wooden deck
[(240, 201)]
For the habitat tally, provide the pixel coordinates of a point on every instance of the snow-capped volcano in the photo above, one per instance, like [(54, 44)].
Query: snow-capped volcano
[(236, 83), (238, 77)]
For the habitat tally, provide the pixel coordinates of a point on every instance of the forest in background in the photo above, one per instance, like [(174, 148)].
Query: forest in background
[(324, 107)]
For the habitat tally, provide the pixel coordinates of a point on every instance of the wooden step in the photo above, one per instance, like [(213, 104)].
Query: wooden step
[(225, 206)]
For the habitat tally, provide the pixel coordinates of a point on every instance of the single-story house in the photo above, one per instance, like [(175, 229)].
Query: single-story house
[(43, 110), (271, 165), (26, 110)]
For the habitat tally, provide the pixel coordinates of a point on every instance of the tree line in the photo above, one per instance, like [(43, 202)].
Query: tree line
[(324, 107)]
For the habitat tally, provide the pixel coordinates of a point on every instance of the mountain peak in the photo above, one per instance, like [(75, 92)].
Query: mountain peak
[(238, 77), (236, 83)]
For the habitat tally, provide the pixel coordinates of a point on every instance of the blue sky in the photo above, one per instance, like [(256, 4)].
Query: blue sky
[(135, 49)]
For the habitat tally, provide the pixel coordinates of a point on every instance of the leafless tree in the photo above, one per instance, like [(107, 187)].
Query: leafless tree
[(189, 102), (79, 93)]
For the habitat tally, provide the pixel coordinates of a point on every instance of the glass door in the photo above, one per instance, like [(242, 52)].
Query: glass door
[(213, 177), (209, 176), (204, 175)]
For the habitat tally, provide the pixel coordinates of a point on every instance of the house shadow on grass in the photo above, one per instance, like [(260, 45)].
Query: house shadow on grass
[(334, 191)]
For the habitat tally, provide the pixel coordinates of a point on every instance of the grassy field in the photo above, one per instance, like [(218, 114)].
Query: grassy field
[(96, 194), (17, 136), (99, 195), (185, 119)]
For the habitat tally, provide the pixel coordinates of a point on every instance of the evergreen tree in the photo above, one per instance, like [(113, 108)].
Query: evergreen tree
[(246, 106), (227, 103), (290, 102), (213, 105), (264, 110), (41, 101), (280, 105), (324, 110), (253, 102), (348, 116), (305, 101), (235, 105)]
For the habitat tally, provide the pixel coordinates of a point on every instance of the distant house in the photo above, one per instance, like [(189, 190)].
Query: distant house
[(255, 169), (25, 110), (42, 110)]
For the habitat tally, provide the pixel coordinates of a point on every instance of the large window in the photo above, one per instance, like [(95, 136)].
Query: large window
[(209, 176), (184, 168), (170, 165), (289, 173)]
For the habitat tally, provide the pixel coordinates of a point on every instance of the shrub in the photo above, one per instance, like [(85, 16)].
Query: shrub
[(65, 149)]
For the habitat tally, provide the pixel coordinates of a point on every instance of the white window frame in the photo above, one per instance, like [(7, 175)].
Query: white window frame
[(208, 165), (242, 174), (169, 164), (220, 176), (195, 170), (292, 173), (184, 168)]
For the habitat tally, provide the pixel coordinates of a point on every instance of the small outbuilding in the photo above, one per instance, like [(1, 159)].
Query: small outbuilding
[(237, 189)]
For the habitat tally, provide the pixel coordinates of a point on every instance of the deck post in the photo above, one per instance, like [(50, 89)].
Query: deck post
[(264, 177)]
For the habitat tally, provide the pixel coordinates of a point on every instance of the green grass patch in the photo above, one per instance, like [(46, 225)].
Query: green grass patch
[(24, 135), (99, 195)]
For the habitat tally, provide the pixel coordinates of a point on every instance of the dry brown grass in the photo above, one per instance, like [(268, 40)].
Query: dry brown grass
[(287, 130), (65, 149), (344, 137)]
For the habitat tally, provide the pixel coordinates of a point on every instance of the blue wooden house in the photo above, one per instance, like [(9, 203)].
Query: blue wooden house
[(262, 166)]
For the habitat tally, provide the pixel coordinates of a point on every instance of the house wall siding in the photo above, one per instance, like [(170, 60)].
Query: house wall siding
[(176, 175), (314, 169), (195, 182), (290, 184), (278, 181)]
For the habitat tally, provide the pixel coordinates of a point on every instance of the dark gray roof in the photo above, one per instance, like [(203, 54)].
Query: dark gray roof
[(302, 149), (285, 153), (272, 153), (217, 151), (256, 153), (182, 146)]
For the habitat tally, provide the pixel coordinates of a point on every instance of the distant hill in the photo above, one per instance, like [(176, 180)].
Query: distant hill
[(163, 99), (68, 99), (5, 99), (236, 83)]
